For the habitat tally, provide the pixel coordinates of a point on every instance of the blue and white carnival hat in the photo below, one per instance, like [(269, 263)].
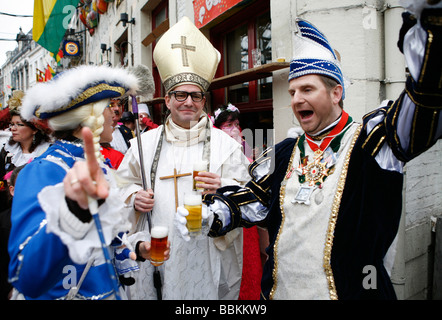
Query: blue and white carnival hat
[(76, 87), (313, 54)]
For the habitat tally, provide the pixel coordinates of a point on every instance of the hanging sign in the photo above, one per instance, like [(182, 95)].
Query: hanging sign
[(207, 10), (71, 48)]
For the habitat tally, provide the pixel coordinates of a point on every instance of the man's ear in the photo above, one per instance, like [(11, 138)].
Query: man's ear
[(167, 101), (336, 93)]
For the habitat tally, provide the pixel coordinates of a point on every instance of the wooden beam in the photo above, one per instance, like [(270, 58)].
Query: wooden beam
[(248, 75), (153, 101), (156, 33)]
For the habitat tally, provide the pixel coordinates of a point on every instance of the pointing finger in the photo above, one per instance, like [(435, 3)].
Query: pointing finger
[(89, 152)]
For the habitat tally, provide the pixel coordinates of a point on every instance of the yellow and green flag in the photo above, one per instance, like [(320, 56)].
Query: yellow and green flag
[(51, 19)]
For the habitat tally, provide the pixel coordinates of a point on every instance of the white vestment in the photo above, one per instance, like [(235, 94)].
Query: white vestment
[(203, 268)]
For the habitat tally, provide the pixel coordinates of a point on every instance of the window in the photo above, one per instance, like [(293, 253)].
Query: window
[(244, 53), (159, 15), (121, 47), (245, 42), (264, 47), (237, 50)]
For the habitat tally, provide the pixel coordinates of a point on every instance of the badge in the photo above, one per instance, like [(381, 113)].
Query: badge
[(303, 194)]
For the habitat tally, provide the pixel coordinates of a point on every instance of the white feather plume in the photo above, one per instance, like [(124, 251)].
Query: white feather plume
[(146, 84), (60, 91)]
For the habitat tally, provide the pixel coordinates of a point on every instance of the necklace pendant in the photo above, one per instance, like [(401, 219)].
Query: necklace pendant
[(316, 172), (303, 195)]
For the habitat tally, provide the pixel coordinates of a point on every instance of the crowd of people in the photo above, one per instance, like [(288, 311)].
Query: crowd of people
[(81, 190)]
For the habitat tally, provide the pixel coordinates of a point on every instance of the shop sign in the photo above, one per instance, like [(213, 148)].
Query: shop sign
[(207, 10)]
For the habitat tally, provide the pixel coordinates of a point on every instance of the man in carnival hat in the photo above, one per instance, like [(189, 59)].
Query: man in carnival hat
[(56, 244), (202, 268), (331, 198)]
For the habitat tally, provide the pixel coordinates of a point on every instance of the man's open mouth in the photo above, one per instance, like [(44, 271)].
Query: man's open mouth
[(305, 114)]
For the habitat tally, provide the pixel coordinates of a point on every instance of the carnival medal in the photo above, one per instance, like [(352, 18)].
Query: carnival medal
[(312, 174)]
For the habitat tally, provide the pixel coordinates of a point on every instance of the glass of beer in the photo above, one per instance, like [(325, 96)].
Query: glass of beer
[(158, 244), (193, 203), (197, 168)]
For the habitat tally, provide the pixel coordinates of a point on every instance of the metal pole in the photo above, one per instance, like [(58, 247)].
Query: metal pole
[(156, 272), (93, 207), (140, 154)]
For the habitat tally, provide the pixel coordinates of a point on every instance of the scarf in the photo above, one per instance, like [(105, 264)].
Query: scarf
[(186, 137)]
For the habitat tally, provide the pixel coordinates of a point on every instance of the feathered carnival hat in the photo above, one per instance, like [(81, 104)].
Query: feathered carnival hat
[(146, 84), (76, 87), (313, 54), (15, 109), (184, 55), (14, 103)]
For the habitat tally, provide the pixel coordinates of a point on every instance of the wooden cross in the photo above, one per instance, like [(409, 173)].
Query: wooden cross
[(183, 46), (175, 176)]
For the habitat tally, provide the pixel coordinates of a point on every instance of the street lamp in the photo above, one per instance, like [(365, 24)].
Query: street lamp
[(124, 17)]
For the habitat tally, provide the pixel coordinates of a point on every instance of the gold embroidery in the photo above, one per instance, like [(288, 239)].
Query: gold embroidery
[(246, 192), (371, 134), (367, 116), (375, 150), (437, 21), (427, 53), (85, 95), (334, 217), (393, 120), (410, 95), (257, 163), (396, 111), (177, 79), (184, 47)]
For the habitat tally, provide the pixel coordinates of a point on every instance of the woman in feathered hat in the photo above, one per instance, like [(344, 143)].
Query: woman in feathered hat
[(53, 239), (27, 140)]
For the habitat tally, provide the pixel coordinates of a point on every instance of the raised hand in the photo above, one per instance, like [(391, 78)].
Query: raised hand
[(86, 178)]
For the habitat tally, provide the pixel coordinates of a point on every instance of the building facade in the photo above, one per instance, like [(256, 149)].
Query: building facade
[(22, 65), (255, 39)]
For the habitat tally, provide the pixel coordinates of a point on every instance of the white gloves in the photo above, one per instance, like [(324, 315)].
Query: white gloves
[(181, 221)]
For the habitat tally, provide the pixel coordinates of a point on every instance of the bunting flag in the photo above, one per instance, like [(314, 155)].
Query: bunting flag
[(40, 75), (48, 74), (51, 19), (58, 56), (51, 70)]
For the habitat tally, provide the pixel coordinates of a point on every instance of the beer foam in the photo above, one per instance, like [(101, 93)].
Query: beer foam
[(159, 232), (192, 199), (200, 166)]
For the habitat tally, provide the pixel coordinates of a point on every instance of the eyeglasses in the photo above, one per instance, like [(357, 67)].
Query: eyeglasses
[(230, 125), (18, 125), (183, 95)]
